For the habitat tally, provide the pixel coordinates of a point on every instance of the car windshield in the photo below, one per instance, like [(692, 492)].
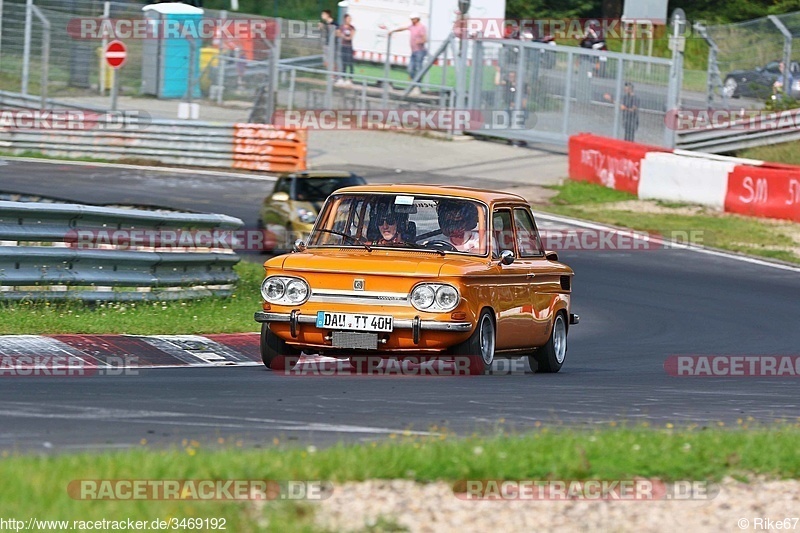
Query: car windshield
[(318, 189), (403, 221)]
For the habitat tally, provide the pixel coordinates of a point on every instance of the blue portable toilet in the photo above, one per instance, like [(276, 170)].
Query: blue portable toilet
[(165, 57)]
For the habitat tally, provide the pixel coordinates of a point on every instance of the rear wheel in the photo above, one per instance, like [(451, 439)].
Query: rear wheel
[(479, 348), (550, 357), (275, 353)]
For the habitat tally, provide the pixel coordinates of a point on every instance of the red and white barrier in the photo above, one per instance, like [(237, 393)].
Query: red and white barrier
[(744, 186)]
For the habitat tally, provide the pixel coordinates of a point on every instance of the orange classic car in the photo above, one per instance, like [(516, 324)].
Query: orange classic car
[(419, 270)]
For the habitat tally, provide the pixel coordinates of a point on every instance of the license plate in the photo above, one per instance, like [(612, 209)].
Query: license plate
[(354, 321)]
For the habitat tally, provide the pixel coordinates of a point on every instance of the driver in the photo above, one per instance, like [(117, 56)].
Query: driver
[(457, 220), (388, 224)]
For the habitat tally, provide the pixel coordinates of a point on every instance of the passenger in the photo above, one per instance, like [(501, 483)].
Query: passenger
[(457, 220)]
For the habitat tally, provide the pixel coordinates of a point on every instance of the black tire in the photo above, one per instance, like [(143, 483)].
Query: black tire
[(480, 347), (550, 357), (275, 353)]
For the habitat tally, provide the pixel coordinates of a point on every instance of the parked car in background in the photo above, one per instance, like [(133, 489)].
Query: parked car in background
[(290, 211), (419, 271), (759, 82)]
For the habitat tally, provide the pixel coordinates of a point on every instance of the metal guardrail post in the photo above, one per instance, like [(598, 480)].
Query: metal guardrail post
[(674, 87), (461, 75), (618, 95), (476, 85), (45, 54), (223, 15), (787, 51), (272, 96), (331, 69), (387, 69), (104, 69), (190, 78), (292, 83), (521, 82), (26, 46), (568, 92)]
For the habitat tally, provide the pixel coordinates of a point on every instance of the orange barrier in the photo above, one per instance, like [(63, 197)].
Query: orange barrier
[(269, 148), (771, 191)]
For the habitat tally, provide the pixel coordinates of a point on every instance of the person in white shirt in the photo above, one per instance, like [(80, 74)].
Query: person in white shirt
[(457, 220)]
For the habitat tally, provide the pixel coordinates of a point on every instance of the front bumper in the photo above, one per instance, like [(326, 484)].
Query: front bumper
[(415, 324)]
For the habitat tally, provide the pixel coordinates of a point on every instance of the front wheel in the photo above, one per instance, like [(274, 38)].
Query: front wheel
[(275, 353), (479, 348), (550, 357)]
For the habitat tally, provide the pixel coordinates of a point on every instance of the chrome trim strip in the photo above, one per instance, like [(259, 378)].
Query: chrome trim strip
[(431, 325), (349, 297)]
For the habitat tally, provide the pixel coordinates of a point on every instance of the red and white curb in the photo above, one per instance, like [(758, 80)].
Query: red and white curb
[(158, 351)]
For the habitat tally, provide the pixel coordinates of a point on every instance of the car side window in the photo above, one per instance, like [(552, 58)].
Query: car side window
[(528, 242), (773, 67), (502, 232)]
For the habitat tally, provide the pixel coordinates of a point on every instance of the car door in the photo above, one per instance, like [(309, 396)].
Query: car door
[(543, 283), (511, 288)]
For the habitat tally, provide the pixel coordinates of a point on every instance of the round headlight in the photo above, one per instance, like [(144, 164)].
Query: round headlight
[(273, 289), (422, 297), (446, 297), (296, 290), (306, 216)]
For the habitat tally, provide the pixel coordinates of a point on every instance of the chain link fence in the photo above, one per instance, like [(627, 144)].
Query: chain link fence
[(747, 59), (558, 90), (562, 91)]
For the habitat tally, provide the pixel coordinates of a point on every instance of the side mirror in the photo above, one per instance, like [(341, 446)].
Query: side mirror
[(280, 197), (299, 246), (551, 255), (506, 257)]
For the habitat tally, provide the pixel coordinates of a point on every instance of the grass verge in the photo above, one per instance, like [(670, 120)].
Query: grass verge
[(37, 485), (212, 315), (773, 239), (787, 153)]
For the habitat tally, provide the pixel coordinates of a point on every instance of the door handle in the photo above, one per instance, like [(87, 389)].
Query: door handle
[(530, 275)]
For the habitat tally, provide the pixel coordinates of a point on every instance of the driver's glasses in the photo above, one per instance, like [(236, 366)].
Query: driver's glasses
[(387, 221)]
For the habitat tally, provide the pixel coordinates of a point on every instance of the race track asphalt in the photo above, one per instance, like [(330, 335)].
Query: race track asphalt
[(637, 308)]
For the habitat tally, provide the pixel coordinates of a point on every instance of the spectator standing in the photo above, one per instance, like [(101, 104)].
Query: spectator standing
[(630, 112), (778, 87), (346, 34), (327, 28), (419, 45)]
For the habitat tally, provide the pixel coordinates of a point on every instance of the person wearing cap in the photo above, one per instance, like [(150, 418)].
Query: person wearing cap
[(419, 42)]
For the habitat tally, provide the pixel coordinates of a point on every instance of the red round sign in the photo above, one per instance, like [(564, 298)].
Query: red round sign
[(116, 53)]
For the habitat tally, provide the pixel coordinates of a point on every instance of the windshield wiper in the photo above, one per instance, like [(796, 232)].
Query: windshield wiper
[(346, 236)]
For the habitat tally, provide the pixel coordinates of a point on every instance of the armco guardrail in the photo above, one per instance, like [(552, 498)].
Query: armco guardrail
[(734, 185), (68, 251), (763, 130), (104, 135)]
